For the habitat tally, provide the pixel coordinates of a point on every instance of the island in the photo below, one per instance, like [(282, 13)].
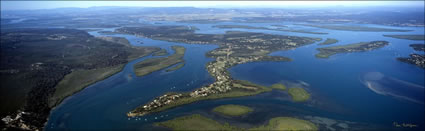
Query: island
[(357, 47), (162, 52), (232, 110), (329, 41), (178, 66), (235, 48), (354, 28), (154, 64), (407, 37), (418, 47), (199, 122), (298, 94), (44, 66), (415, 59), (195, 122), (265, 28), (287, 123), (278, 86)]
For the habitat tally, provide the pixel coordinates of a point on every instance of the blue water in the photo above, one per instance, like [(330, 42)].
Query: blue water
[(335, 84)]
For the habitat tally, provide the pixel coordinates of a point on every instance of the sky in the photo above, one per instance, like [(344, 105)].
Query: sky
[(30, 5)]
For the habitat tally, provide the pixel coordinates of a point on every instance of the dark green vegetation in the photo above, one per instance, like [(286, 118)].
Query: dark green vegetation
[(278, 86), (354, 28), (407, 37), (357, 47), (196, 122), (178, 66), (40, 67), (232, 110), (154, 64), (199, 122), (161, 52), (287, 124), (418, 47), (416, 59), (298, 94), (247, 89), (329, 41), (265, 28), (233, 43)]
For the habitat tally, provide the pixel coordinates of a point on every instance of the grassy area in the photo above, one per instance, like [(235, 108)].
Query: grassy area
[(287, 123), (278, 86), (298, 94), (199, 122), (407, 37), (232, 110), (154, 64), (357, 47), (354, 28), (329, 41), (195, 122), (178, 66), (161, 52), (235, 92), (78, 80)]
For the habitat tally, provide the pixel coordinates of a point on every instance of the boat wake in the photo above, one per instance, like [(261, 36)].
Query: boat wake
[(389, 86)]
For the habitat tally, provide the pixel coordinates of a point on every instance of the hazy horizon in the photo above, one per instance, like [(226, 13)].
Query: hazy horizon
[(34, 5)]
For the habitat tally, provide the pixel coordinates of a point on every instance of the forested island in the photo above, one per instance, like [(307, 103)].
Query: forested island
[(357, 47), (407, 37), (265, 28)]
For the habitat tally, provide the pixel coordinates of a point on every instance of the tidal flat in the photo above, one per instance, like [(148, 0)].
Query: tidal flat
[(232, 110)]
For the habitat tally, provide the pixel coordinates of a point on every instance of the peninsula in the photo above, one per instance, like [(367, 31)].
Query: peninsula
[(234, 48), (357, 47)]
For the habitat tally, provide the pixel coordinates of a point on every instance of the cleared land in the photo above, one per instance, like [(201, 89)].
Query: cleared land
[(195, 122), (154, 64), (357, 47), (329, 41), (278, 86), (354, 28), (287, 123), (265, 28), (232, 110), (298, 94), (407, 37)]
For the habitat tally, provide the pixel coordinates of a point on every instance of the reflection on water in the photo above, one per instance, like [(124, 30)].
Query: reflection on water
[(389, 86)]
